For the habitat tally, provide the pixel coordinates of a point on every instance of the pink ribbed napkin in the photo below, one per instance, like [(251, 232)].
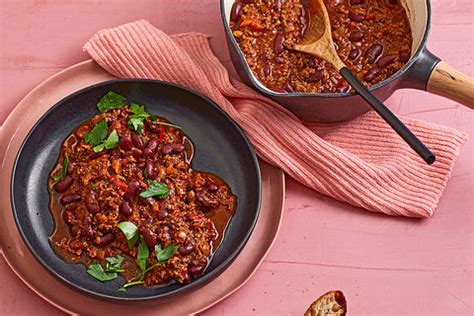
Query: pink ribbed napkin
[(361, 162)]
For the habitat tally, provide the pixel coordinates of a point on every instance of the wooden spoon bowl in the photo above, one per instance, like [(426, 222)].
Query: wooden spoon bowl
[(317, 40)]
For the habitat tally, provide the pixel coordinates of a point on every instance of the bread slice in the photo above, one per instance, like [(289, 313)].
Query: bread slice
[(330, 304)]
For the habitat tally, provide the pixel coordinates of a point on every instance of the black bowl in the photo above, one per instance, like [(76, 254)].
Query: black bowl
[(221, 148)]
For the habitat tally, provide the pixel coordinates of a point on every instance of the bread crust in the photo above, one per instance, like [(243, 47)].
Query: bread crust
[(332, 303)]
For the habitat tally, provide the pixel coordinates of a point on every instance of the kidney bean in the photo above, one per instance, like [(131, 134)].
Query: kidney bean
[(212, 187), (177, 148), (150, 169), (278, 44), (371, 74), (355, 2), (404, 56), (186, 249), (373, 52), (87, 220), (277, 4), (104, 240), (125, 208), (161, 215), (279, 60), (187, 278), (356, 36), (70, 198), (306, 4), (137, 140), (132, 190), (303, 21), (204, 198), (63, 185), (267, 70), (289, 88), (91, 202), (149, 236), (317, 76), (173, 148), (151, 147), (236, 11), (196, 270), (343, 89), (137, 153), (353, 54), (87, 230), (125, 143), (71, 167), (384, 61), (355, 17), (166, 149)]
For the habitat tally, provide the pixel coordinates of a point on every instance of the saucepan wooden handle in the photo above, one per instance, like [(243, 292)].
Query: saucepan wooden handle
[(452, 84)]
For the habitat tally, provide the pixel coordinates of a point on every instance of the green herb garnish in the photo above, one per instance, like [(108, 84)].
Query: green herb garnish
[(130, 231), (156, 189), (99, 273), (167, 124), (142, 255), (114, 264), (111, 142), (131, 284), (111, 101), (98, 134), (138, 116), (163, 255), (63, 170)]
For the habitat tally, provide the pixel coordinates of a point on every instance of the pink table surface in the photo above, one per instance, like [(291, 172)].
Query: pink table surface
[(385, 266)]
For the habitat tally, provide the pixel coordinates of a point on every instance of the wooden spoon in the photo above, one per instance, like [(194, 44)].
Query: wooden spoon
[(317, 40)]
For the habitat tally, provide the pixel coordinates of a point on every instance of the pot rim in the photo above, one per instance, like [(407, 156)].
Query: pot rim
[(262, 89)]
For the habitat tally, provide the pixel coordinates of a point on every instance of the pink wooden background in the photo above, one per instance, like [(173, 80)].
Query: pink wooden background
[(385, 266)]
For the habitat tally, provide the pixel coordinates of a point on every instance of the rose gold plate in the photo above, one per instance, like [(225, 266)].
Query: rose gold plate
[(25, 266)]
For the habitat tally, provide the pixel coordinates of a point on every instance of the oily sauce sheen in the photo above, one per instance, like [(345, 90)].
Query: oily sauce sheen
[(372, 37), (88, 203)]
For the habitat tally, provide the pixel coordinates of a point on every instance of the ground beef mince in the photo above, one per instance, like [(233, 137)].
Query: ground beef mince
[(372, 37), (99, 190)]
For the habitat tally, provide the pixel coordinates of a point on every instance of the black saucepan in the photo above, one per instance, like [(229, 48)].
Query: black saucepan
[(221, 148), (424, 71)]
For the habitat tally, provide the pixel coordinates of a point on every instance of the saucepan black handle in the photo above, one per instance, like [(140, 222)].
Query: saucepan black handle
[(389, 117)]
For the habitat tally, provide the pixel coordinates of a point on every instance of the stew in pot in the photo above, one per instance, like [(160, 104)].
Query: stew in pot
[(372, 37)]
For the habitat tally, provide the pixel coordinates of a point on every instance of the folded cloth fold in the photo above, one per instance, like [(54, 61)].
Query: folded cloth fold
[(361, 162)]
